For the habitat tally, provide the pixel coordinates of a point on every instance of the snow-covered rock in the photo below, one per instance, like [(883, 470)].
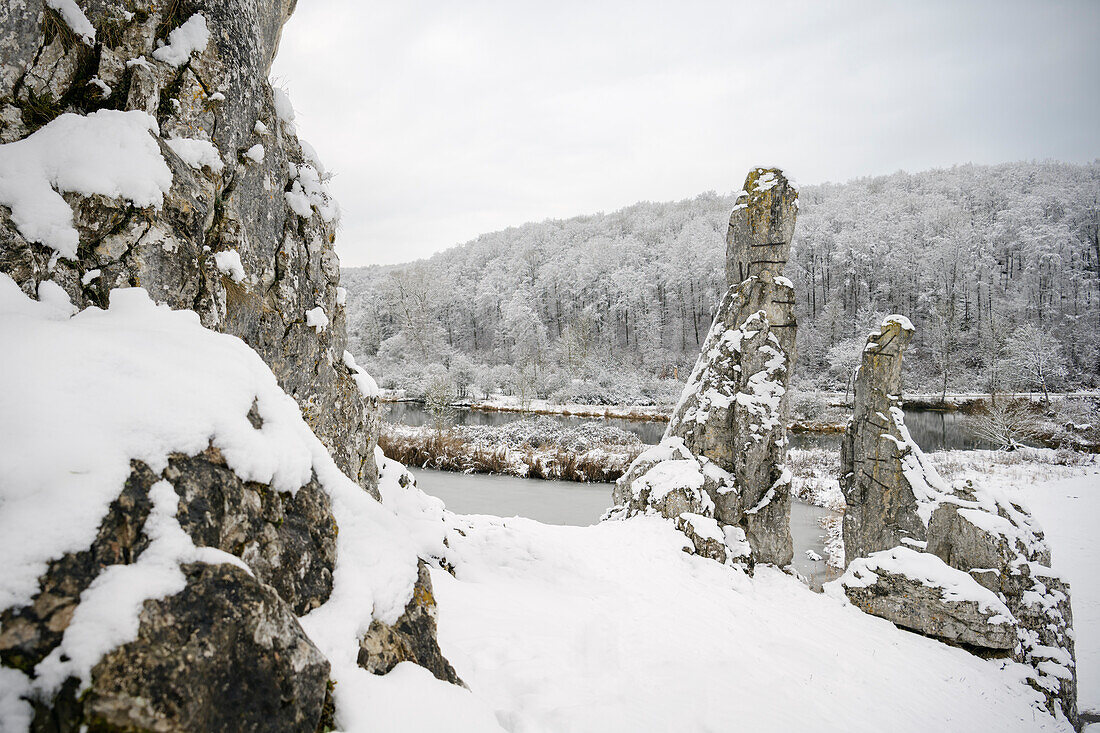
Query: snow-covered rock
[(177, 138), (166, 514), (170, 504), (889, 486), (919, 591), (732, 413), (906, 534)]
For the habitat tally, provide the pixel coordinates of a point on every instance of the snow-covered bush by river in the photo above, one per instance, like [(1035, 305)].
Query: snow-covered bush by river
[(541, 447)]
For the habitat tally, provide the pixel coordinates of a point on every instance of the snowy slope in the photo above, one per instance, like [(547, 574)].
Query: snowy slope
[(1068, 510), (84, 394), (612, 628)]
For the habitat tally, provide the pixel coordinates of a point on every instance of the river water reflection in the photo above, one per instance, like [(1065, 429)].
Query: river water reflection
[(932, 430)]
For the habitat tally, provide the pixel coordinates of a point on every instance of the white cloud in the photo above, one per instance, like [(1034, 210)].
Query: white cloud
[(443, 120)]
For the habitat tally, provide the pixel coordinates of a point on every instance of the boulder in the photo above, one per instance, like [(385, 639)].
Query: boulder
[(224, 654), (1002, 547), (918, 591), (707, 538), (410, 639)]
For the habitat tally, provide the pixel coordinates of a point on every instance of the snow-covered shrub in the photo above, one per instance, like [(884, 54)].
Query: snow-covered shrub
[(1006, 423)]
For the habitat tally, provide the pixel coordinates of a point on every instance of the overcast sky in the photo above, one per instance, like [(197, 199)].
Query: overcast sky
[(444, 120)]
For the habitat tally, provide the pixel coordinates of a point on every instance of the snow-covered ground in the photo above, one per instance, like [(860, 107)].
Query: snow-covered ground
[(612, 628), (1068, 510)]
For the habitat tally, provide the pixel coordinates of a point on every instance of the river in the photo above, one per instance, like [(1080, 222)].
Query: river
[(931, 429), (571, 503)]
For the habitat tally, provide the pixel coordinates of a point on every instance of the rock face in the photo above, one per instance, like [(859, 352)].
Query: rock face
[(225, 654), (244, 237), (227, 651), (888, 485), (410, 639), (919, 592), (268, 210), (722, 457), (961, 564)]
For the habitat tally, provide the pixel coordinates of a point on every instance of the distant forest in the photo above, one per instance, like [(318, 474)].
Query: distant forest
[(998, 267)]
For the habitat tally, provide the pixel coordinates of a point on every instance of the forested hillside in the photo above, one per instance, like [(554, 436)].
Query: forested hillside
[(997, 266)]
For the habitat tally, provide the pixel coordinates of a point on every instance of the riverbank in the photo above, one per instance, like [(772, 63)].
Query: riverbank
[(539, 448), (964, 421)]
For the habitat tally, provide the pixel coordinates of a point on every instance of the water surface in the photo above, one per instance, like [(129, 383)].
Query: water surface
[(931, 429), (576, 504)]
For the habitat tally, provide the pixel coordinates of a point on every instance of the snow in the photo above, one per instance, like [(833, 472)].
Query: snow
[(341, 296), (86, 393), (74, 17), (255, 153), (107, 152), (316, 319), (191, 37), (217, 97), (365, 382), (139, 61), (955, 585), (229, 262), (15, 712), (765, 182), (284, 110), (1067, 509), (614, 628), (308, 191), (104, 87), (785, 282), (902, 321), (90, 276), (260, 128), (669, 476), (706, 527), (197, 153)]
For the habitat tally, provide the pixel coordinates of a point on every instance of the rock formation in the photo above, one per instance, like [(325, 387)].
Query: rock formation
[(961, 564), (211, 203), (731, 417), (888, 485), (244, 236)]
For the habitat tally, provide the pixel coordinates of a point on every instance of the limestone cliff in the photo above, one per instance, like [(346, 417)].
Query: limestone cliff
[(245, 234), (143, 146)]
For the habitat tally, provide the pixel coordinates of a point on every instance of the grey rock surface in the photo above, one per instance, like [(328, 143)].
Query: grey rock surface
[(1003, 548), (911, 603), (884, 476), (226, 653), (218, 95), (223, 654), (896, 502), (734, 407), (410, 639)]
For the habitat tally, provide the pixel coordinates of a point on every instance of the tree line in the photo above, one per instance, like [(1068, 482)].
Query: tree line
[(997, 266)]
